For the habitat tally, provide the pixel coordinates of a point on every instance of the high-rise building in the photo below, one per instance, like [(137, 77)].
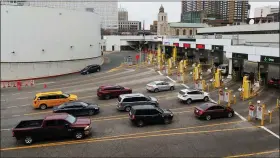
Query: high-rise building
[(122, 14), (153, 27), (264, 11), (233, 11), (108, 11)]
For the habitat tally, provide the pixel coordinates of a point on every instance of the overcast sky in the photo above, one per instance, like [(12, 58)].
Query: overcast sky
[(148, 11)]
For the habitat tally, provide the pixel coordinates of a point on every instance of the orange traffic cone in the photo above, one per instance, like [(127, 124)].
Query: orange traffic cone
[(45, 85)]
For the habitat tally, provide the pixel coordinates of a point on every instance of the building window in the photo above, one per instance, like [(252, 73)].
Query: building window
[(190, 32), (184, 32), (162, 18), (177, 32)]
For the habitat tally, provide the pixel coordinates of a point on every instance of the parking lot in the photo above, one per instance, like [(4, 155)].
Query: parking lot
[(114, 136)]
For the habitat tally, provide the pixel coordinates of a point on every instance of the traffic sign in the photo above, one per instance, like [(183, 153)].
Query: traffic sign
[(137, 57), (251, 107), (269, 59)]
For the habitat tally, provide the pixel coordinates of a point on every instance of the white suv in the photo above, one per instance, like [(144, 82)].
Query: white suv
[(189, 95)]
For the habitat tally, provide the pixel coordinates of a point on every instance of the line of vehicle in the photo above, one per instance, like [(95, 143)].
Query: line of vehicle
[(129, 136), (253, 154)]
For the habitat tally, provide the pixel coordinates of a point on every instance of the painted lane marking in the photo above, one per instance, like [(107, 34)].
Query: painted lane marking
[(171, 79), (122, 137), (160, 73), (185, 86), (5, 129), (241, 117), (269, 131), (45, 83), (11, 107), (252, 154)]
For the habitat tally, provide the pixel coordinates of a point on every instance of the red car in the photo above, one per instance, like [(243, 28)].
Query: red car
[(107, 92), (274, 82), (210, 111)]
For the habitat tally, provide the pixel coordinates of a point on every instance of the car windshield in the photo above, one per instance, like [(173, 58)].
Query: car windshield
[(61, 106), (66, 95), (159, 109), (152, 83), (71, 119), (87, 67), (204, 106), (84, 104)]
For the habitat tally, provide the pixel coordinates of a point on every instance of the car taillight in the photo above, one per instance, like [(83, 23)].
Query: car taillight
[(200, 112), (133, 117)]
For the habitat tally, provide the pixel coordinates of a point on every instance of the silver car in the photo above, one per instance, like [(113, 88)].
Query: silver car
[(157, 86)]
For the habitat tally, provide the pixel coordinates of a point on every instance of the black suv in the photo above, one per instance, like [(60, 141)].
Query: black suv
[(149, 114)]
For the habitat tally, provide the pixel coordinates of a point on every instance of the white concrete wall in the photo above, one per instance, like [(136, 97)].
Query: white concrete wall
[(253, 27), (21, 71), (254, 53), (27, 30)]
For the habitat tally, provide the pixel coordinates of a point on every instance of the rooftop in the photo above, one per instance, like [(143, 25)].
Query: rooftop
[(186, 25)]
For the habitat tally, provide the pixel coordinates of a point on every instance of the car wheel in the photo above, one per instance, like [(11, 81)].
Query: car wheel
[(91, 112), (107, 97), (208, 117), (28, 140), (156, 90), (98, 70), (167, 121), (43, 106), (87, 73), (206, 99), (140, 123), (127, 109), (79, 135), (189, 101), (172, 88), (230, 115)]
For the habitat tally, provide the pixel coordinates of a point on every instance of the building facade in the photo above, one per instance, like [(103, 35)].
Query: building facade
[(162, 23), (108, 11), (122, 14), (153, 27), (184, 29), (129, 26), (193, 17), (233, 11), (264, 11)]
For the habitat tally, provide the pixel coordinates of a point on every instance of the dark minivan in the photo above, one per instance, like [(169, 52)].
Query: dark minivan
[(149, 114)]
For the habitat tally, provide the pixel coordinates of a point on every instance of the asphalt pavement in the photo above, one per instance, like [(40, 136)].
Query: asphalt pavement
[(114, 136)]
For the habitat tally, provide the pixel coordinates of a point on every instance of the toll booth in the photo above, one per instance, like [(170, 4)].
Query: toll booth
[(217, 54), (237, 65)]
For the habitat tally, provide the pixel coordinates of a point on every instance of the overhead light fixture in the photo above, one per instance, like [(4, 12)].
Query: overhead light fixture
[(90, 45), (43, 50), (13, 52), (71, 46)]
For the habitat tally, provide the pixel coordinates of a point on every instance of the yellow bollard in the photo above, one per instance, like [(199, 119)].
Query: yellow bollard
[(270, 116), (203, 85), (263, 114), (234, 99), (174, 54)]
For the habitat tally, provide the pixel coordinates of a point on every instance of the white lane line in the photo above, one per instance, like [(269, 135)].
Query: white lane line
[(241, 117), (171, 79), (15, 115), (15, 93), (269, 131), (25, 105), (5, 129), (185, 86), (44, 83), (213, 101), (23, 98), (160, 73), (11, 107)]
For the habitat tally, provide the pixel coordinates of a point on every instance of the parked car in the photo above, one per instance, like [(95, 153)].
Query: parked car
[(157, 86), (51, 99), (275, 82), (210, 111), (110, 91), (53, 126), (77, 108), (189, 95), (90, 69), (126, 101), (148, 114)]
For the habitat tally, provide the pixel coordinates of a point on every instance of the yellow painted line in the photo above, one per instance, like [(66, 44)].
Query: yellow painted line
[(126, 136), (252, 154)]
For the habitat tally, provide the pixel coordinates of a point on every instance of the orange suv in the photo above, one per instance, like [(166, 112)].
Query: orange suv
[(51, 99)]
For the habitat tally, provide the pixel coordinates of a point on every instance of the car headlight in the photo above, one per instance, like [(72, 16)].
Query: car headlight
[(86, 128), (96, 108), (171, 114)]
